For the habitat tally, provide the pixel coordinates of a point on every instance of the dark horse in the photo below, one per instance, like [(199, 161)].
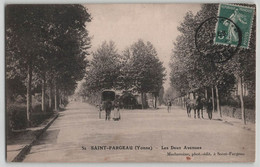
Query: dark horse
[(196, 105)]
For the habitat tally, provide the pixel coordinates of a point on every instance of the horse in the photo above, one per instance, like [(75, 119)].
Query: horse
[(196, 105)]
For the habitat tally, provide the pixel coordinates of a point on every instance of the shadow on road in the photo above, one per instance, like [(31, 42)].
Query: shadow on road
[(49, 137), (22, 137)]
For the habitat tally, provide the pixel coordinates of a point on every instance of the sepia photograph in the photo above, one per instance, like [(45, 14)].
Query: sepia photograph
[(130, 82)]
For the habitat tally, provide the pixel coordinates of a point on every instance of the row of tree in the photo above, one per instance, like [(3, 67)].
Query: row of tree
[(190, 71), (137, 69), (46, 48)]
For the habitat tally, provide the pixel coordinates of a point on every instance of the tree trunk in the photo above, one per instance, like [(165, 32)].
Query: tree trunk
[(183, 102), (56, 98), (43, 94), (51, 97), (242, 100), (218, 104), (61, 99), (142, 99), (206, 94), (155, 101), (29, 95), (213, 99)]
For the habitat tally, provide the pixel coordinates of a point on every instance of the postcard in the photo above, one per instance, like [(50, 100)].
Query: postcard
[(130, 82)]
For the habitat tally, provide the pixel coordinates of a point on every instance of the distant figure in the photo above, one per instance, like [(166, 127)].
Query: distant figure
[(99, 110), (117, 116), (108, 107), (169, 105)]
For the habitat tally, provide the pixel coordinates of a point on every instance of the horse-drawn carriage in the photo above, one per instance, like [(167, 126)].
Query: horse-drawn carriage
[(109, 101)]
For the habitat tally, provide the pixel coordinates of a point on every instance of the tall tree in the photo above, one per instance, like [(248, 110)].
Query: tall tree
[(23, 35), (191, 71), (44, 41), (104, 68), (146, 70)]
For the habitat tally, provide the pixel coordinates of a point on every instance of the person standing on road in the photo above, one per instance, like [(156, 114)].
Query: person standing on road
[(169, 105), (117, 116), (108, 107)]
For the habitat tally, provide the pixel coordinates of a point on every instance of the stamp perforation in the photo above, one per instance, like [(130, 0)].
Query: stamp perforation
[(251, 25)]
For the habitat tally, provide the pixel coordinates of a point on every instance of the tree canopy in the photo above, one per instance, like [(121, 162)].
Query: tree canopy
[(190, 70), (196, 66), (46, 43), (137, 69), (104, 68)]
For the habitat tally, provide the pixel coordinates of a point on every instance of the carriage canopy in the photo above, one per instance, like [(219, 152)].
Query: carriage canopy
[(108, 95)]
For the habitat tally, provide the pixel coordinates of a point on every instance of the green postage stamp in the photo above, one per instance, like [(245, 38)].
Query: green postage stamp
[(232, 17)]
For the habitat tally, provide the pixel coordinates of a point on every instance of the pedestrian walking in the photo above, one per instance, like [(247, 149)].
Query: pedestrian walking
[(169, 105), (99, 106)]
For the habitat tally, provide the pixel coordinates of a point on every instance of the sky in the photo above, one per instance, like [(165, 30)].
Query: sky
[(126, 23)]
